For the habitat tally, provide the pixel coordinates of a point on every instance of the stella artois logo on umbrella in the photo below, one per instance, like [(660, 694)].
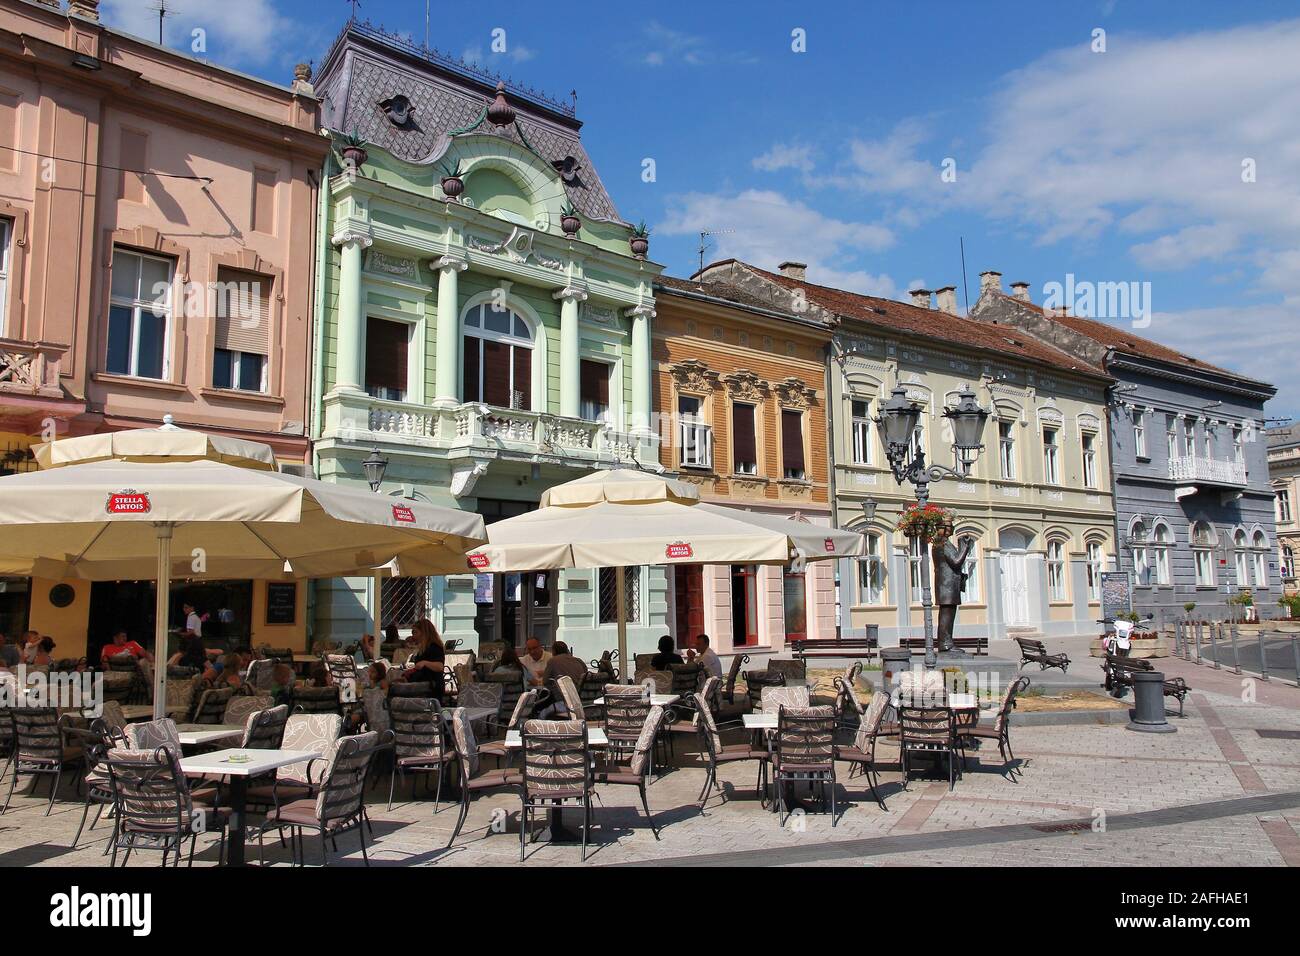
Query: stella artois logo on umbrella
[(479, 561), (679, 549), (830, 546), (404, 514), (128, 501)]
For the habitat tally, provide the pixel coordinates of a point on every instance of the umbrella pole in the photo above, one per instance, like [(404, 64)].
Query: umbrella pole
[(620, 599), (161, 610)]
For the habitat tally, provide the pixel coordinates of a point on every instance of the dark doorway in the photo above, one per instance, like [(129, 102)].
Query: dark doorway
[(129, 606), (688, 592)]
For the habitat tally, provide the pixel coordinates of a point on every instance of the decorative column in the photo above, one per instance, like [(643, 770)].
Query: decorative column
[(350, 331), (570, 337), (640, 316), (447, 372)]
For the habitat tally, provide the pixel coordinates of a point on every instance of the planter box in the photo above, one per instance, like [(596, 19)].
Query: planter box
[(1142, 647)]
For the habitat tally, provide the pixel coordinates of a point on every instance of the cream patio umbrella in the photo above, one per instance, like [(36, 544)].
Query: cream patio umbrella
[(623, 518), (109, 520), (165, 443)]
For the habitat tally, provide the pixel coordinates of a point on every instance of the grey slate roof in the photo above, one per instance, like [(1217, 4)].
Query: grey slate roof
[(365, 67)]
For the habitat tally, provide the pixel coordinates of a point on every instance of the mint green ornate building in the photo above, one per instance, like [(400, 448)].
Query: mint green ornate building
[(485, 352)]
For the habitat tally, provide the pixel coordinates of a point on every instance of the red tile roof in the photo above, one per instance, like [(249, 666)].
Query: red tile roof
[(932, 323)]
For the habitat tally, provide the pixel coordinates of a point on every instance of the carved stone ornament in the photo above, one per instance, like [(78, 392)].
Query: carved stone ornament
[(746, 386), (392, 265), (518, 247), (794, 393), (692, 375)]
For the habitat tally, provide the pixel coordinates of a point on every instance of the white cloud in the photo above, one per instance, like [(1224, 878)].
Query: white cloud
[(515, 52), (238, 33), (1186, 247), (785, 156), (659, 45), (766, 228)]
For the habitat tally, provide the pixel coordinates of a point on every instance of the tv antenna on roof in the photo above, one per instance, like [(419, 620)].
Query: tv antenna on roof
[(704, 241), (162, 13)]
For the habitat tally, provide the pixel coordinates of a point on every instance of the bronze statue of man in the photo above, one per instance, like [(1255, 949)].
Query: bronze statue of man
[(949, 582)]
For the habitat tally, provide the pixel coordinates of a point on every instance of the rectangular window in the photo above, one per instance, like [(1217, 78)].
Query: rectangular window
[(1096, 564), (914, 568), (1056, 570), (1089, 441), (970, 593), (861, 432), (792, 463), (1283, 505), (695, 437), (871, 572), (1238, 450), (744, 454), (594, 390), (609, 596), (1204, 567), (1139, 435), (386, 351), (1171, 436), (1007, 449), (744, 605), (241, 304), (6, 230), (139, 315), (1051, 457), (1189, 438), (794, 587)]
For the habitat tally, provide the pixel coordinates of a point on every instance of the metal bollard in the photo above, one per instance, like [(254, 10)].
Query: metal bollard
[(1263, 660), (1236, 654), (1216, 642), (1295, 654), (1149, 704), (1197, 625)]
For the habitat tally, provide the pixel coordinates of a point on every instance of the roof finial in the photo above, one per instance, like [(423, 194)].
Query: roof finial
[(501, 113)]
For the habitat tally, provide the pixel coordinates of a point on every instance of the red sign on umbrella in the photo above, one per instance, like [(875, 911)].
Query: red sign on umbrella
[(128, 502), (479, 561), (679, 549), (830, 546), (404, 514)]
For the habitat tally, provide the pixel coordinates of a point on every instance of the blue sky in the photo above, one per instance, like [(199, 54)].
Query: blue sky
[(1115, 165)]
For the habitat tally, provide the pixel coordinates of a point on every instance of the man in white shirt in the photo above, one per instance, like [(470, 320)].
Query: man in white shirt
[(534, 660), (193, 623), (705, 655)]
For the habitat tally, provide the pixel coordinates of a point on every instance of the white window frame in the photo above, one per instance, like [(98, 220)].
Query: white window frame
[(6, 231), (1007, 448), (1056, 570), (872, 571), (1283, 505), (735, 465), (1088, 446), (694, 435), (1161, 538), (860, 433), (1259, 554), (915, 585), (1139, 434), (236, 360), (1241, 557), (136, 306), (1096, 562), (1189, 437), (1171, 436), (1203, 555), (481, 331), (1238, 449), (970, 594), (1051, 456)]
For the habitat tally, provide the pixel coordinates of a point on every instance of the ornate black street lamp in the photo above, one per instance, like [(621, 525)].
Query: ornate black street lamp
[(897, 423)]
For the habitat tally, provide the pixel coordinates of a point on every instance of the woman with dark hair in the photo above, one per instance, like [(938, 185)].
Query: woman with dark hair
[(430, 660), (667, 655), (508, 661), (192, 653)]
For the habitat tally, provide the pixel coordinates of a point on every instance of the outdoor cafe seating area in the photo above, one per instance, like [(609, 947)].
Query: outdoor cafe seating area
[(307, 769)]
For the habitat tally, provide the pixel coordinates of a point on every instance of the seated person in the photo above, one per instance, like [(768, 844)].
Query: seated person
[(319, 676), (192, 653), (378, 672), (508, 661), (564, 664), (225, 672), (534, 660), (667, 655), (121, 644), (706, 656), (43, 652), (429, 664), (281, 683)]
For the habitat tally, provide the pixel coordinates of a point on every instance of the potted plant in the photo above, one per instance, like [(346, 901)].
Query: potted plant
[(639, 241), (452, 183), (353, 150), (930, 523), (1243, 600), (569, 221), (1292, 604)]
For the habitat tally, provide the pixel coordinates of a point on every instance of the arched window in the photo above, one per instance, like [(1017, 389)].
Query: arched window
[(970, 594), (1056, 569), (1160, 554), (1260, 544), (498, 360), (914, 568), (1203, 540), (871, 571), (1138, 535), (1241, 557), (1096, 564)]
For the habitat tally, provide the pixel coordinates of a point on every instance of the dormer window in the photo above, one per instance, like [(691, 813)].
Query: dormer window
[(399, 110)]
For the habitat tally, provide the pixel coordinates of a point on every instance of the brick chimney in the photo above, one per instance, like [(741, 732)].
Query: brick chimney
[(921, 298), (794, 270), (1021, 291), (990, 282), (947, 299)]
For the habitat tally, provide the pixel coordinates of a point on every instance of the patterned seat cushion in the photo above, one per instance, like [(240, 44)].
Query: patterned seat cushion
[(554, 768), (315, 732), (774, 698), (645, 742), (149, 735)]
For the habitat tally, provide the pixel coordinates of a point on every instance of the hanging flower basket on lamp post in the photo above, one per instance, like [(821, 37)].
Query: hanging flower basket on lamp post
[(930, 523)]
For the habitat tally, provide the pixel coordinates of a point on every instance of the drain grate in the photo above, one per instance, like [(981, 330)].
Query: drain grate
[(1279, 734), (1063, 827)]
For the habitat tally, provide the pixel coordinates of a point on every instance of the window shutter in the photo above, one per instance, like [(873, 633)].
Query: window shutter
[(496, 374), (742, 433), (386, 354), (523, 360), (595, 382), (243, 311), (469, 375), (792, 440)]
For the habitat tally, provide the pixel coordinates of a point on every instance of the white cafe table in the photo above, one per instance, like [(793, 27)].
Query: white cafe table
[(962, 701), (219, 763), (656, 700), (194, 734), (759, 721), (595, 738)]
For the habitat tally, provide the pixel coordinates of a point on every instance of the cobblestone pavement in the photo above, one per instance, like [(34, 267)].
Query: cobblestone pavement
[(1215, 793)]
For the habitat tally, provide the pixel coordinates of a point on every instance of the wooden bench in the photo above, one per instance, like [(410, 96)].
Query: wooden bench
[(1035, 652), (1120, 670), (976, 645), (859, 647)]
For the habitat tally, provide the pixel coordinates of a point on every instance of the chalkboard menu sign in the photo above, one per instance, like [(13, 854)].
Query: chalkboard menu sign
[(1116, 594), (281, 602)]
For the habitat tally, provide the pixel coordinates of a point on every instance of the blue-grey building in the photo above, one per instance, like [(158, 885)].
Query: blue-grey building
[(1195, 515)]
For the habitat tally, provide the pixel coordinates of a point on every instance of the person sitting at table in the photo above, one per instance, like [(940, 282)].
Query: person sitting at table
[(192, 653), (31, 645), (534, 660), (225, 672), (121, 644), (379, 675), (667, 655), (564, 664), (43, 649), (366, 649), (508, 661), (430, 660), (319, 676), (706, 656), (281, 683)]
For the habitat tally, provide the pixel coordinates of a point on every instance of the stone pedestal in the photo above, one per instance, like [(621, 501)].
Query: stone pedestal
[(1142, 647)]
